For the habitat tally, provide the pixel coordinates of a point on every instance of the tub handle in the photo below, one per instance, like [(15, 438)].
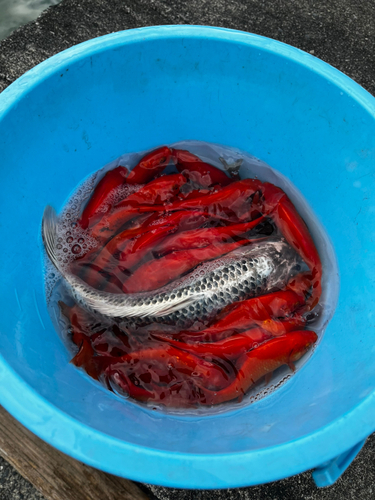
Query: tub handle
[(329, 472)]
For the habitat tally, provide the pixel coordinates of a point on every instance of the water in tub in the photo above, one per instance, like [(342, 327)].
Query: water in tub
[(123, 338)]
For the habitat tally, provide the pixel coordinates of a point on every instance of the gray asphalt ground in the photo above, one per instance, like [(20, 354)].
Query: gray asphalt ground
[(340, 32)]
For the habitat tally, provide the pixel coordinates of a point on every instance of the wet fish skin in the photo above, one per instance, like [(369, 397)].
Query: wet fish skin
[(244, 273), (241, 274)]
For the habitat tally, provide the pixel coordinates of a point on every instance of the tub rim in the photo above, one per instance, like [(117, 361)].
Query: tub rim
[(175, 469)]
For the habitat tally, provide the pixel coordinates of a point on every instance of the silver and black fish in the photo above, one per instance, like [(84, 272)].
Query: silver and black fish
[(243, 273)]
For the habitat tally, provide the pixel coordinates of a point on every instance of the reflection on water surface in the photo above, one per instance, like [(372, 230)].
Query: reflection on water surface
[(15, 13)]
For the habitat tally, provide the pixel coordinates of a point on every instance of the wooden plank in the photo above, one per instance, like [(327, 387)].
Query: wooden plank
[(54, 474)]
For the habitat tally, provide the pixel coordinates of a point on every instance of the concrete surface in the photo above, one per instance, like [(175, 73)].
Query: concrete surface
[(341, 32), (15, 487)]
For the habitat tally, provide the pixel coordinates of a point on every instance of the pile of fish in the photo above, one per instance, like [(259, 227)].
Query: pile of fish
[(198, 285)]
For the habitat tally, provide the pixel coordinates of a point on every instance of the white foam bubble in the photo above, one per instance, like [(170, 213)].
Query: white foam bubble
[(123, 192), (72, 240)]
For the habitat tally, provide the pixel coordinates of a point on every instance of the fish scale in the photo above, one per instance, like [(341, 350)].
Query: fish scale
[(243, 273), (229, 283)]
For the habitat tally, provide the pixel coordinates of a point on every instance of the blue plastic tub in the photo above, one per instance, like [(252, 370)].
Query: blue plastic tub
[(137, 89)]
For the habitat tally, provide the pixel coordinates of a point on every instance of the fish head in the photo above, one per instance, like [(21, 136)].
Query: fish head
[(275, 258)]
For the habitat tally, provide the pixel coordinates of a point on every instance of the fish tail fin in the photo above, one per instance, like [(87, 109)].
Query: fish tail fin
[(49, 234), (108, 304)]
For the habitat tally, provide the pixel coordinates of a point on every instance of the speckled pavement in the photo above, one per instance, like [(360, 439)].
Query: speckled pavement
[(340, 32)]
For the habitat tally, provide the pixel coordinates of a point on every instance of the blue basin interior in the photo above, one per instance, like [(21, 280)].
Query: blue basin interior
[(138, 89)]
